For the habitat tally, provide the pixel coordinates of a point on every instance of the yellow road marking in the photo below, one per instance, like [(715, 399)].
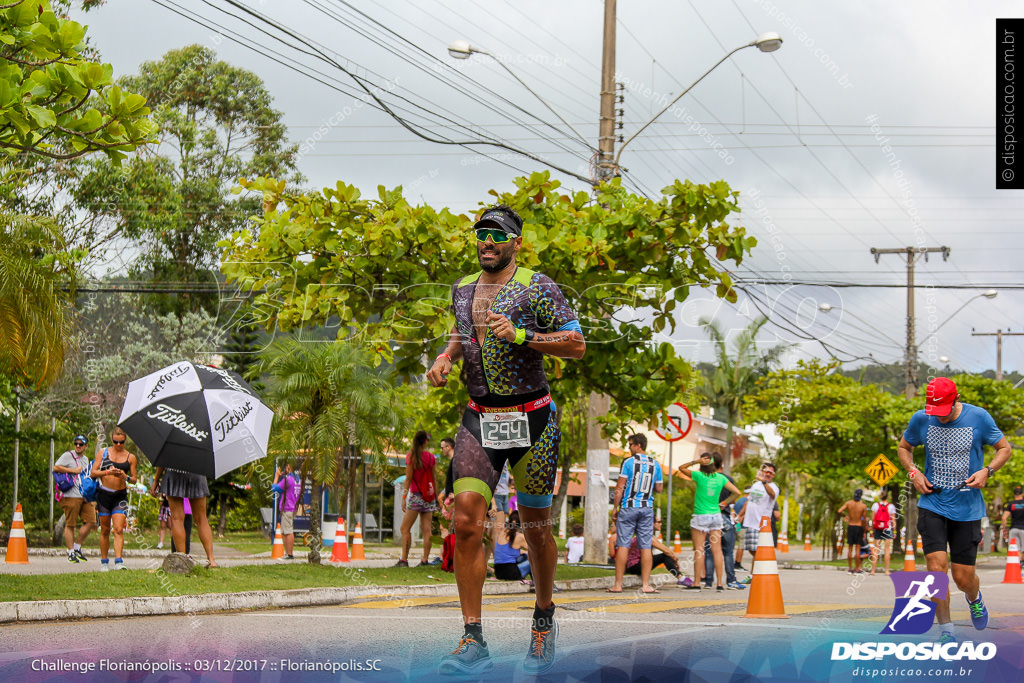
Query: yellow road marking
[(403, 602), (809, 609), (649, 606)]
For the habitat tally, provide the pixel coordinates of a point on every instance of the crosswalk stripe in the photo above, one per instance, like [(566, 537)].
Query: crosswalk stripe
[(651, 606), (808, 609), (398, 603)]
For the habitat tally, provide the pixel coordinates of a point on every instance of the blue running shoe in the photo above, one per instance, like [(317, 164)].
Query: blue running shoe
[(979, 614), (469, 658), (946, 637)]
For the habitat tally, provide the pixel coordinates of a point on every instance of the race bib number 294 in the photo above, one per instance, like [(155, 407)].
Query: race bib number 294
[(504, 430)]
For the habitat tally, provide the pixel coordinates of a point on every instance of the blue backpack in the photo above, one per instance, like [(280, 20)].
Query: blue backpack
[(89, 487)]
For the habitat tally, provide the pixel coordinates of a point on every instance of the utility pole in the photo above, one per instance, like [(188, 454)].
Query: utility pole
[(911, 255), (998, 334), (605, 166), (595, 518)]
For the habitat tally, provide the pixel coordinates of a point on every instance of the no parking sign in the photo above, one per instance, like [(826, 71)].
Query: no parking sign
[(676, 422)]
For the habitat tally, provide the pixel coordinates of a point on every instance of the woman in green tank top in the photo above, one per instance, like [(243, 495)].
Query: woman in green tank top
[(707, 520)]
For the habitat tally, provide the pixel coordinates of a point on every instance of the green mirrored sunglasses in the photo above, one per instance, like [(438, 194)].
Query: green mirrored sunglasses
[(497, 236)]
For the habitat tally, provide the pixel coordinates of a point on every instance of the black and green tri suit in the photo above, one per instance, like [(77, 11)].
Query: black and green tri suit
[(506, 383)]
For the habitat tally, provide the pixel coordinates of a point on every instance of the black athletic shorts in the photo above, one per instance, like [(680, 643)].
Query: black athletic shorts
[(962, 537), (855, 535), (111, 502)]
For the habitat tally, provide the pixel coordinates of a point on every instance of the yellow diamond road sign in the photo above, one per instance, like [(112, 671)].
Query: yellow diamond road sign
[(881, 470)]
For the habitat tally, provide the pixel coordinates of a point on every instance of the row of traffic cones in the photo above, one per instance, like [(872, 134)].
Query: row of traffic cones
[(339, 552)]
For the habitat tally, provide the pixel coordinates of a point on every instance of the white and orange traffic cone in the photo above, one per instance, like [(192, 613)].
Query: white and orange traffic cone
[(339, 552), (277, 552), (17, 546), (677, 544), (807, 543), (909, 562), (1012, 574), (765, 600), (920, 545), (783, 542), (357, 543)]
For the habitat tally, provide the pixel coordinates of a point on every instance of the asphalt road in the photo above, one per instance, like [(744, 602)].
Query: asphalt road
[(612, 637)]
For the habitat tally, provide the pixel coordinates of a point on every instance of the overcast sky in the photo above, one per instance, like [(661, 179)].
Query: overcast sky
[(873, 126)]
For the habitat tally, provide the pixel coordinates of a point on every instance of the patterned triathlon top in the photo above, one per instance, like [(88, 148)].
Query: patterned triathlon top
[(501, 368)]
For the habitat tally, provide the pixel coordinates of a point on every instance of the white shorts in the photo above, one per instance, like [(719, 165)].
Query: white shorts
[(706, 523)]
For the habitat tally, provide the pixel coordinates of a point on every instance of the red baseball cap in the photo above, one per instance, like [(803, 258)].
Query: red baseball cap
[(941, 396)]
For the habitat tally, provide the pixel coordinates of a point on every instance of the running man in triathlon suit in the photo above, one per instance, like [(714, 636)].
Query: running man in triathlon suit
[(916, 606), (507, 318)]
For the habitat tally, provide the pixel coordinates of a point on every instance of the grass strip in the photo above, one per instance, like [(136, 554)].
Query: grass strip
[(149, 582)]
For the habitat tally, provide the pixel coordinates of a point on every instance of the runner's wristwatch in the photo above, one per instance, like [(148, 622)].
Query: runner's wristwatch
[(991, 471)]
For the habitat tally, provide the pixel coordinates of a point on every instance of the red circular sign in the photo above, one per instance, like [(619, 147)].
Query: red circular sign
[(676, 422)]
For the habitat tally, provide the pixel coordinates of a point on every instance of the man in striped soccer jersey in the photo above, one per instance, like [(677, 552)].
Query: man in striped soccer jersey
[(639, 479)]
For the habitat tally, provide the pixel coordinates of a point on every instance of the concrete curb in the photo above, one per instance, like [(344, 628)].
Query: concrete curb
[(190, 605)]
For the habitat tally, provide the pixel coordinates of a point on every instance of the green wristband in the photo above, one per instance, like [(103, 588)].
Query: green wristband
[(520, 336)]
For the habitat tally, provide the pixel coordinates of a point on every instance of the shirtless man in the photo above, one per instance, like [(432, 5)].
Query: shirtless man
[(855, 519)]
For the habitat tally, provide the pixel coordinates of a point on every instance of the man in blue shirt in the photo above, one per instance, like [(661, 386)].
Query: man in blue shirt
[(951, 506), (639, 479)]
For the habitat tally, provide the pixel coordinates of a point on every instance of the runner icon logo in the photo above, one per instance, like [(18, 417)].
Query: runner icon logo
[(914, 611)]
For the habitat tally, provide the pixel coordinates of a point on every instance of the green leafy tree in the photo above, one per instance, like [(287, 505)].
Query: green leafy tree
[(383, 268), (173, 200), (53, 101), (36, 269), (332, 406), (735, 374)]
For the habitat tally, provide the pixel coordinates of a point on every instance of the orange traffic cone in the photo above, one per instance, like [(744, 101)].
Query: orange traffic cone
[(357, 543), (783, 542), (277, 552), (17, 546), (909, 562), (920, 545), (339, 552), (807, 542), (677, 544), (1012, 574), (765, 601)]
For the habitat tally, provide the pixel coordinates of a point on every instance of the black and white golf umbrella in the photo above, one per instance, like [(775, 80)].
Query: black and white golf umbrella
[(196, 418)]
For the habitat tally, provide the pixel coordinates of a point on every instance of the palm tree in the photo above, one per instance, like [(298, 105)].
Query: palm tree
[(736, 375), (36, 272), (331, 403)]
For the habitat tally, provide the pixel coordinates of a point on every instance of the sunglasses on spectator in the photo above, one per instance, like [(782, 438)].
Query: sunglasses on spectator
[(79, 443), (119, 442), (497, 236)]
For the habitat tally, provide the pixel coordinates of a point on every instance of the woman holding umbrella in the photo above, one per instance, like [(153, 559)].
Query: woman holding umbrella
[(177, 486)]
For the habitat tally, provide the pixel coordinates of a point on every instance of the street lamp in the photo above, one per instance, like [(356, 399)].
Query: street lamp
[(826, 308), (766, 42), (461, 49), (988, 294)]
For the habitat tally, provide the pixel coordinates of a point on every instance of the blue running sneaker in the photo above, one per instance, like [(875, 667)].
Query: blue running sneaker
[(470, 657), (979, 614), (946, 637), (541, 656)]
